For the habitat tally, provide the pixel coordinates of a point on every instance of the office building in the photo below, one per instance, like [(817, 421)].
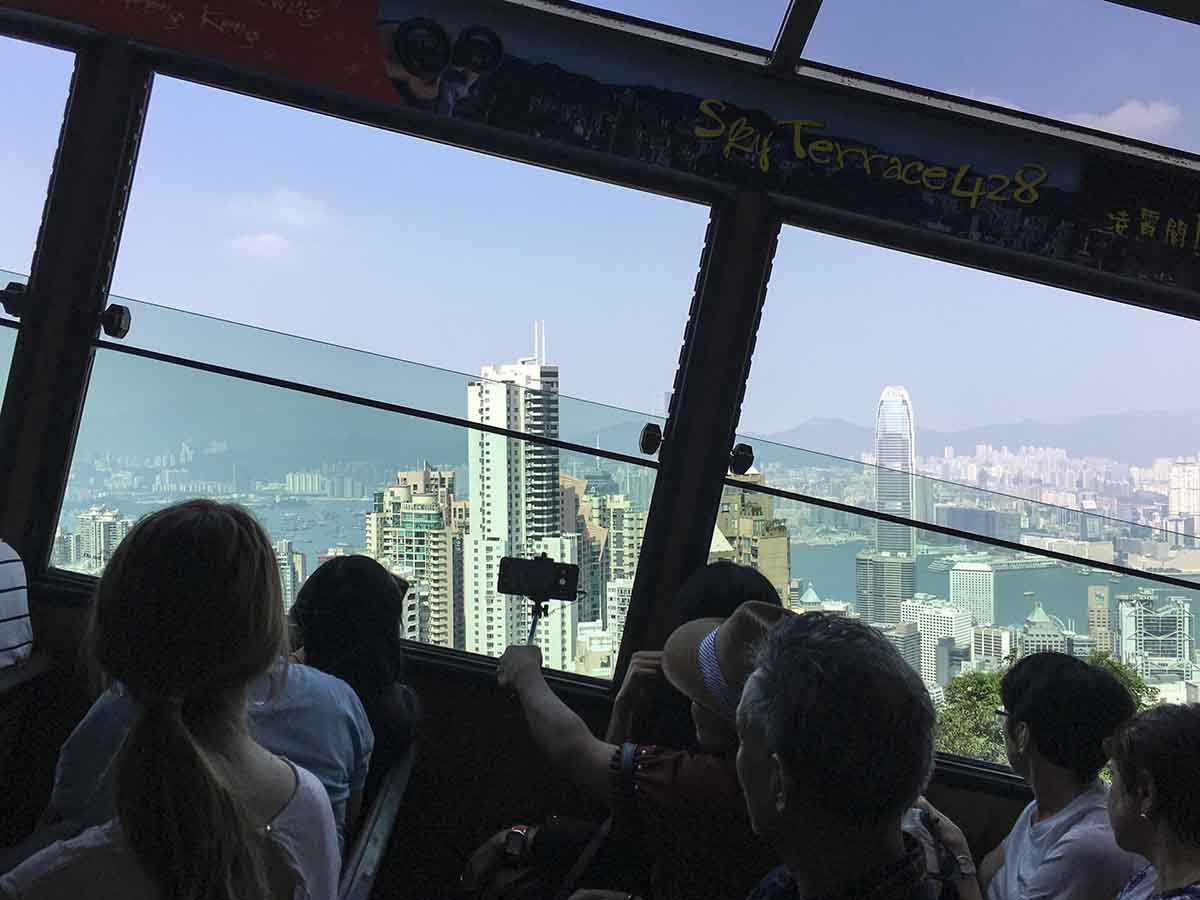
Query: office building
[(1156, 635), (1183, 497), (895, 448), (992, 646), (973, 588), (936, 619), (291, 565), (1100, 624), (757, 537), (514, 490), (1043, 633), (882, 582), (906, 638)]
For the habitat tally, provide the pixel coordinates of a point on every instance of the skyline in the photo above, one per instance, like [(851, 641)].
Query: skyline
[(286, 212)]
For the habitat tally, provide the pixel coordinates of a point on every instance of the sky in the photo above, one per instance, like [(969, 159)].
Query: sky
[(304, 224)]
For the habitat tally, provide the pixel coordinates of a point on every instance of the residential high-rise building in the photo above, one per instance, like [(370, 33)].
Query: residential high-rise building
[(973, 588), (895, 463), (1100, 622), (557, 630), (436, 482), (882, 582), (1156, 636), (936, 619), (514, 492), (290, 579), (100, 531), (619, 593), (1183, 497), (757, 537), (406, 532), (906, 638), (1042, 633)]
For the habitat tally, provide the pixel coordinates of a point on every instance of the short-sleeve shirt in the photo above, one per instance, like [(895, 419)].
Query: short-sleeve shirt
[(1071, 855), (1144, 886), (99, 863), (309, 717), (16, 634), (688, 810)]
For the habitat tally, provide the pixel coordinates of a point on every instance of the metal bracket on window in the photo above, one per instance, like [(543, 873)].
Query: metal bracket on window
[(741, 459), (116, 320), (651, 439), (14, 299)]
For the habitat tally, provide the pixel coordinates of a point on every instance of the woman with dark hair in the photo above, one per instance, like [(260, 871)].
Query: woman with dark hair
[(678, 804), (349, 613), (187, 616), (1154, 803)]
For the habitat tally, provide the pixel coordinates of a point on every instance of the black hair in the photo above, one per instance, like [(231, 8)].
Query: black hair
[(846, 714), (711, 592), (349, 613), (1070, 707), (1162, 746)]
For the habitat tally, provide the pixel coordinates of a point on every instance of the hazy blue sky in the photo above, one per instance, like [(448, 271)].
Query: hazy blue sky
[(305, 224)]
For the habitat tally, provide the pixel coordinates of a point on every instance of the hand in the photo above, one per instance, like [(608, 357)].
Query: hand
[(945, 830), (518, 664), (483, 862), (645, 667)]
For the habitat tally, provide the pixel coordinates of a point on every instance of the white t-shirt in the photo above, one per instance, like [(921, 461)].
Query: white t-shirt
[(1071, 855), (99, 864), (16, 635)]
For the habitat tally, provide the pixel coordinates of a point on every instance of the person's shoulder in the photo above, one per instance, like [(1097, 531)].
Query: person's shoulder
[(95, 863), (319, 687), (397, 704)]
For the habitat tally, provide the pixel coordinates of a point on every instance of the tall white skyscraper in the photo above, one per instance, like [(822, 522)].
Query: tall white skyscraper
[(895, 462), (973, 588), (936, 619), (1183, 497), (291, 571), (1156, 636), (514, 491)]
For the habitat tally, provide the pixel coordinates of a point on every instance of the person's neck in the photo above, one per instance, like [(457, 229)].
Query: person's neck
[(827, 858), (1177, 864), (1053, 789)]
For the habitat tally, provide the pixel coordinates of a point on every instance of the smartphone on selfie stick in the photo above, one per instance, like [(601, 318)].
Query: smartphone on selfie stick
[(540, 580)]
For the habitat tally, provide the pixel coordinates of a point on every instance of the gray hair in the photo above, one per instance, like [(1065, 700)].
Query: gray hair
[(845, 713)]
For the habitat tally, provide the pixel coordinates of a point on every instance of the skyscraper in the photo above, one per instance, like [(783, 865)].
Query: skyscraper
[(100, 531), (289, 579), (1100, 618), (973, 588), (937, 619), (1156, 636), (906, 638), (514, 491), (758, 537), (1043, 633), (895, 462), (882, 581)]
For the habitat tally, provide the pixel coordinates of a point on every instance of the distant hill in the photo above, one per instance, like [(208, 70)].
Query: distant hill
[(1136, 438)]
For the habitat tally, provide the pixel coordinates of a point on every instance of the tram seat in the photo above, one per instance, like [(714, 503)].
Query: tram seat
[(363, 861)]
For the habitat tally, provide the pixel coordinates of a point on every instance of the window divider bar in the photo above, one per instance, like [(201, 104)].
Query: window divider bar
[(68, 289)]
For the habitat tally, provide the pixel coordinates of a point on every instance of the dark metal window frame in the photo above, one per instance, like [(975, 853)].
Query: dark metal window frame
[(81, 229)]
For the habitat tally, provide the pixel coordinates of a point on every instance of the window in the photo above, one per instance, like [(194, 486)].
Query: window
[(959, 611), (328, 477), (318, 227), (754, 24), (1085, 61), (1028, 413)]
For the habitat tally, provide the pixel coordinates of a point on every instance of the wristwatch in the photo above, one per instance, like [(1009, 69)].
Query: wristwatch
[(516, 842), (966, 865)]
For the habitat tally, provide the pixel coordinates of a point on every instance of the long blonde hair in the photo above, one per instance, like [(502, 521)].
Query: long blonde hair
[(187, 614)]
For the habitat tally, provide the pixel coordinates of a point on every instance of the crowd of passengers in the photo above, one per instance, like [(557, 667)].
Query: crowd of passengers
[(761, 753)]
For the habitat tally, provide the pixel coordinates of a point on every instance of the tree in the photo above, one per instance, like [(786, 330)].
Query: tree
[(1144, 695), (967, 724)]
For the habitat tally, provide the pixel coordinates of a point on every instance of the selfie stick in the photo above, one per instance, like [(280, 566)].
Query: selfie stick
[(540, 608)]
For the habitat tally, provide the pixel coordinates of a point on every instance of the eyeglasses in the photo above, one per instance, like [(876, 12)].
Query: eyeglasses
[(1001, 712)]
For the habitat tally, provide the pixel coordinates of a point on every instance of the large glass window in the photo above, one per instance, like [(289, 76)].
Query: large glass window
[(263, 214), (755, 24), (36, 80), (436, 502), (960, 611), (1084, 61)]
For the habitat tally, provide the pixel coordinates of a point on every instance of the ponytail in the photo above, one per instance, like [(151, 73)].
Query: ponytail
[(180, 816)]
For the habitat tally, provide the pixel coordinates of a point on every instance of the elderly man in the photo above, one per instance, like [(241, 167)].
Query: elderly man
[(836, 736)]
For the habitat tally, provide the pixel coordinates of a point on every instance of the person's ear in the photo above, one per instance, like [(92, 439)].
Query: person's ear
[(1021, 737), (1147, 796)]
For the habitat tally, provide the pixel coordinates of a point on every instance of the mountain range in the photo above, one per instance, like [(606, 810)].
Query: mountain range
[(1136, 438)]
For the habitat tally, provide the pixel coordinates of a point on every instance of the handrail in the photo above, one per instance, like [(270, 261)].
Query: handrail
[(362, 865)]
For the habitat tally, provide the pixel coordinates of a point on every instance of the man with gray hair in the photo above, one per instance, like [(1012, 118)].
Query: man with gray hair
[(836, 734)]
